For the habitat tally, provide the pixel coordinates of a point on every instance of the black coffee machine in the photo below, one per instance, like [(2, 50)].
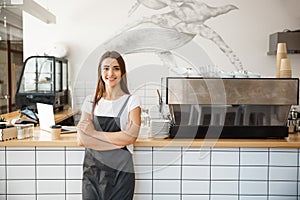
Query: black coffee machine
[(230, 107)]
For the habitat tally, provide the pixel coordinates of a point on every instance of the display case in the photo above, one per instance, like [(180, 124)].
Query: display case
[(44, 79)]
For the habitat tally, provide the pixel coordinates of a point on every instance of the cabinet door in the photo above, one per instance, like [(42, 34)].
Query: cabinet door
[(65, 76), (58, 74), (38, 76)]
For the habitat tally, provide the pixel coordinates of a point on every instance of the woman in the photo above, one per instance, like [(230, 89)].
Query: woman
[(108, 127)]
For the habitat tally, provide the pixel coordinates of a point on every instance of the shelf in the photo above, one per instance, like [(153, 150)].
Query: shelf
[(291, 38), (270, 53)]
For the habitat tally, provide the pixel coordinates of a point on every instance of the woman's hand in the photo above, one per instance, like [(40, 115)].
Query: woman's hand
[(86, 126), (79, 140)]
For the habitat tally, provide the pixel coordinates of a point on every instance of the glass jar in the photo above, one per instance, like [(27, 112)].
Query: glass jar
[(145, 125)]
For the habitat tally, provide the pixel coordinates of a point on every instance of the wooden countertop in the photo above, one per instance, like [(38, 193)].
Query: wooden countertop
[(293, 141), (58, 116), (43, 139)]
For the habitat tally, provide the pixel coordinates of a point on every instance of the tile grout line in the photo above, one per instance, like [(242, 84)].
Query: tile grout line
[(35, 173), (298, 173), (5, 157), (152, 175), (65, 165), (181, 168), (239, 176), (210, 169), (268, 175)]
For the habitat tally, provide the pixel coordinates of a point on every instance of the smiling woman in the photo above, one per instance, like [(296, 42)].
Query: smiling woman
[(108, 127)]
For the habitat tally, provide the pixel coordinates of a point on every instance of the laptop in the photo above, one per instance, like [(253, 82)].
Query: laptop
[(46, 119)]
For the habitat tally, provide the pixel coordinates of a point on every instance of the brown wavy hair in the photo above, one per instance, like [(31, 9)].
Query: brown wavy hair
[(100, 89)]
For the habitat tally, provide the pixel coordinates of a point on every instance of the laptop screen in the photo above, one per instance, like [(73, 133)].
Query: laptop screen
[(46, 116)]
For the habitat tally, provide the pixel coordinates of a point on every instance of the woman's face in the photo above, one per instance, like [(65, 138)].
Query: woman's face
[(111, 72)]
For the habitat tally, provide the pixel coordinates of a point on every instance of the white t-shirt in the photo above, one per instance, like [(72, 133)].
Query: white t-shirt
[(111, 108)]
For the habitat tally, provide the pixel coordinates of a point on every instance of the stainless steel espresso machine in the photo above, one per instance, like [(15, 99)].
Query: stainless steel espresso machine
[(230, 107)]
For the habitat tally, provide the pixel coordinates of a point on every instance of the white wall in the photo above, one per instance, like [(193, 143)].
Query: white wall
[(84, 25)]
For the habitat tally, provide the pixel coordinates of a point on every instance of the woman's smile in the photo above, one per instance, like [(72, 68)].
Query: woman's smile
[(111, 79)]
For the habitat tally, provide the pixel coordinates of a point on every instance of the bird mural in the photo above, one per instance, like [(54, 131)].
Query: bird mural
[(162, 33)]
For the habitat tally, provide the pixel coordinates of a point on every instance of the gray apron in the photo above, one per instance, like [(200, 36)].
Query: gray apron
[(108, 175)]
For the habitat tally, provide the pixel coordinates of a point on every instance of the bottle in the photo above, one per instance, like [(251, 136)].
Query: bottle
[(145, 125)]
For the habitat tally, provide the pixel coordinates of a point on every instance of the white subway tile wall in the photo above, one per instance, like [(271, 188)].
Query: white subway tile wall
[(20, 197), (254, 198), (147, 93), (254, 187), (195, 187), (166, 187), (20, 187), (195, 197), (2, 172), (257, 173), (161, 173), (143, 186), (73, 197), (45, 197), (20, 172), (143, 172), (167, 172), (196, 172), (46, 157), (166, 197), (50, 186), (224, 197), (2, 187), (2, 156)]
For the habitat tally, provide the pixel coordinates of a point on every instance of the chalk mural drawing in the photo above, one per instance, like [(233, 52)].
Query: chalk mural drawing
[(162, 33)]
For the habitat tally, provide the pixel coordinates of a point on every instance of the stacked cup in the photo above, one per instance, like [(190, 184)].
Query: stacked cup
[(283, 64), (285, 68), (281, 54)]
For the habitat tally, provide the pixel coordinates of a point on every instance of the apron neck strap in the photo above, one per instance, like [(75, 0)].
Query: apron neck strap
[(123, 107)]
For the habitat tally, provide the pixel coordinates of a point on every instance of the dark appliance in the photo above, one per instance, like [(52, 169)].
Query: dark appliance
[(230, 107), (44, 79)]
